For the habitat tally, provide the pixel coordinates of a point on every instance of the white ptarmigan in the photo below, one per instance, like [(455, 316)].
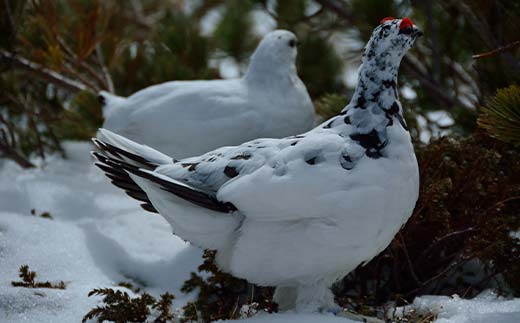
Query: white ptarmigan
[(188, 118), (300, 212)]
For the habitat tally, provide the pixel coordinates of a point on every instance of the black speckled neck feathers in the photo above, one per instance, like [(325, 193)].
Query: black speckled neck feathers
[(375, 103)]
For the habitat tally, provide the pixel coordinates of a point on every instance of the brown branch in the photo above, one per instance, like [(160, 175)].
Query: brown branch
[(499, 50), (8, 152), (454, 265), (408, 260), (485, 32), (104, 69), (41, 72), (442, 240), (73, 59), (9, 19)]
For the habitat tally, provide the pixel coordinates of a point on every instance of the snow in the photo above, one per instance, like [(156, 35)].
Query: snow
[(487, 307), (294, 317), (99, 237)]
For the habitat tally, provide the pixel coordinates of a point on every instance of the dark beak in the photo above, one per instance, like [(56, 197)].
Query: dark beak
[(417, 32)]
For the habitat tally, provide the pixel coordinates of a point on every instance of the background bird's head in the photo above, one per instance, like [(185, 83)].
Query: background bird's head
[(392, 39), (278, 47)]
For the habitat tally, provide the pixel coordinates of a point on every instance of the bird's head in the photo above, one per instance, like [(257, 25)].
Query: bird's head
[(278, 46), (392, 38)]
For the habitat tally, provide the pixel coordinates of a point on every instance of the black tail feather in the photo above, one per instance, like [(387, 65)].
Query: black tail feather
[(118, 171), (121, 179), (118, 152)]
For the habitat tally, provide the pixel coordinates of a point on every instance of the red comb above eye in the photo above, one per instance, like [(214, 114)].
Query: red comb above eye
[(406, 23), (386, 19)]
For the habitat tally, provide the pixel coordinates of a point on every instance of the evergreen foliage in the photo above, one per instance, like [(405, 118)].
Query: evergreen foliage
[(220, 295), (501, 116), (29, 280), (121, 308)]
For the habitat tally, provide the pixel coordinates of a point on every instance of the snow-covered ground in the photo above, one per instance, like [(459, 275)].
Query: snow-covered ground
[(99, 237)]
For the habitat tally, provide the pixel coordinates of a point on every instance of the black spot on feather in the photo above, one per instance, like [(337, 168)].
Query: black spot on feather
[(241, 156), (389, 83), (190, 166), (311, 161), (230, 171), (370, 142), (402, 122), (329, 125), (373, 153), (361, 101), (394, 108), (346, 162)]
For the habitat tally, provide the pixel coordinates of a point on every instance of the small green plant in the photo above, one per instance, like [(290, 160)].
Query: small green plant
[(28, 280), (120, 307)]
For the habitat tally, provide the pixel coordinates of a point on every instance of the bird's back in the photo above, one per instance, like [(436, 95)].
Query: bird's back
[(187, 118)]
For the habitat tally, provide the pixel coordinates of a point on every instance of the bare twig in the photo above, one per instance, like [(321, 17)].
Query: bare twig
[(484, 31), (73, 59), (454, 265), (41, 72), (499, 50), (442, 240), (108, 78), (408, 261), (7, 151), (9, 19)]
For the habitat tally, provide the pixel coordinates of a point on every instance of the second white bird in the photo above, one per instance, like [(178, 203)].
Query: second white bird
[(187, 118)]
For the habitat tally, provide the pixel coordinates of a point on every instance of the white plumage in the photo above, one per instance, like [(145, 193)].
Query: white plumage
[(188, 118), (299, 212)]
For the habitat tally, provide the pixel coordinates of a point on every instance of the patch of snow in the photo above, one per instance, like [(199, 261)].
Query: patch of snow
[(97, 238), (294, 318), (262, 22), (408, 93), (487, 307)]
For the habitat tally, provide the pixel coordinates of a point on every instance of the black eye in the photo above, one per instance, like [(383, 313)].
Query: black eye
[(406, 31), (292, 43)]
